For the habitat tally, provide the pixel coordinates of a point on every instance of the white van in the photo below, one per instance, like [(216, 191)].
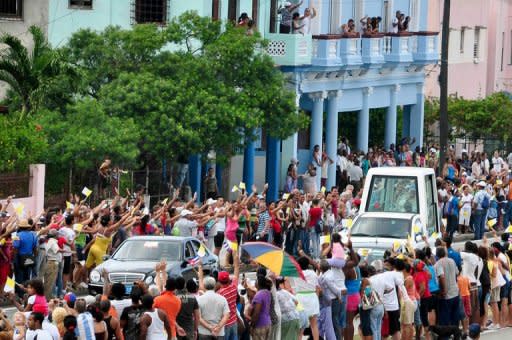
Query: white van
[(398, 203)]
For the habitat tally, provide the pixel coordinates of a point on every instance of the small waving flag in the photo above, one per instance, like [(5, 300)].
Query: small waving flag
[(194, 261), (9, 285), (69, 206), (86, 192), (230, 246), (201, 251)]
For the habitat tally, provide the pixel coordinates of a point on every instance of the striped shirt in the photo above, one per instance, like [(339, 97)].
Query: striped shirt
[(263, 220), (85, 327), (230, 293)]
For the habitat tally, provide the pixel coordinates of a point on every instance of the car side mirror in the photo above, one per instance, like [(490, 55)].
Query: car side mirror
[(106, 257), (184, 264)]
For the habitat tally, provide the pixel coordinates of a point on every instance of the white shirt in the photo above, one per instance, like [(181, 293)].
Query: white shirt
[(497, 163), (355, 173), (394, 26), (186, 227), (40, 333), (470, 264), (221, 222), (384, 285), (69, 235), (308, 285), (120, 305), (52, 250), (342, 163), (306, 29), (212, 308)]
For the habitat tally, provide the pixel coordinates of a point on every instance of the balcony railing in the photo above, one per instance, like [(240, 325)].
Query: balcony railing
[(290, 49), (353, 50)]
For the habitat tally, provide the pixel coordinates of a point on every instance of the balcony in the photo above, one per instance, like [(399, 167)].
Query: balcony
[(290, 49), (336, 50), (426, 47)]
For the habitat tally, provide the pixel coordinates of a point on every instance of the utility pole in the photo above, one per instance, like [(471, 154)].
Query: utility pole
[(443, 79)]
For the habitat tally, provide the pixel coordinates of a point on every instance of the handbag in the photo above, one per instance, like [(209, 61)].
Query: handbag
[(319, 226), (370, 300)]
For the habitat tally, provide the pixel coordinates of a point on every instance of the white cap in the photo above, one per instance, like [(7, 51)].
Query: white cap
[(185, 212), (287, 3), (464, 151), (433, 150), (482, 184), (211, 201), (294, 160)]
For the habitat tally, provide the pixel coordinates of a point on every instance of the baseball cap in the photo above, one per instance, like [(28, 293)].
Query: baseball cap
[(482, 184), (185, 212), (223, 277), (70, 298), (474, 330)]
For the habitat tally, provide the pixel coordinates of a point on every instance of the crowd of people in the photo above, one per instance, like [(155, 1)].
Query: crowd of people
[(406, 294), (295, 23)]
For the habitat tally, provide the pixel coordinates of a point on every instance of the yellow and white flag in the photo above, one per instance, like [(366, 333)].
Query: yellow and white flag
[(86, 192), (201, 252), (9, 285)]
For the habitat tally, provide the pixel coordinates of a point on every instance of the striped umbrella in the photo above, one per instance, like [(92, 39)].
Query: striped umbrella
[(274, 258)]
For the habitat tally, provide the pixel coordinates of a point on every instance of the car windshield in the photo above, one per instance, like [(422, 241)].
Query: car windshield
[(148, 250), (381, 227), (393, 194)]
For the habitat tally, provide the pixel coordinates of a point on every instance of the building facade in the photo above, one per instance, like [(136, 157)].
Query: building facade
[(480, 48), (16, 16), (331, 74)]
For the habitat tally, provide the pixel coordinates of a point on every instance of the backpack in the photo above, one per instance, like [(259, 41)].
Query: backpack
[(485, 202)]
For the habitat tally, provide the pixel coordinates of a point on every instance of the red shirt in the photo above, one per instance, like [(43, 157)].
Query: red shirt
[(230, 293), (419, 277), (315, 214)]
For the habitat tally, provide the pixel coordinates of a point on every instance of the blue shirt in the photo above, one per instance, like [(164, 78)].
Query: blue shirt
[(27, 241), (433, 285), (455, 256)]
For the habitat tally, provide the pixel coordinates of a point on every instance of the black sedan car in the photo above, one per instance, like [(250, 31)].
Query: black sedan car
[(135, 260)]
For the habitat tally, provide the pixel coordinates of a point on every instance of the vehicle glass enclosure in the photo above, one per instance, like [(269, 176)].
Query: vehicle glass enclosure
[(148, 250), (381, 227), (393, 194), (432, 211)]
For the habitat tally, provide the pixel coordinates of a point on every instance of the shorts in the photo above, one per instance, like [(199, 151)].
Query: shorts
[(433, 302), (425, 307), (66, 269), (504, 291), (393, 321), (464, 216), (353, 301), (366, 325), (495, 295), (466, 302), (218, 239), (407, 312)]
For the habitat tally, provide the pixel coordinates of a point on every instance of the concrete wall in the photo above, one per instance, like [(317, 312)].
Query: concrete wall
[(35, 12), (33, 204)]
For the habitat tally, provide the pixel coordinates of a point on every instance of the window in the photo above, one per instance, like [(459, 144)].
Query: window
[(461, 47), (151, 11), (393, 194), (502, 50), (510, 62), (432, 217), (87, 4), (381, 227), (215, 9), (476, 46), (11, 8)]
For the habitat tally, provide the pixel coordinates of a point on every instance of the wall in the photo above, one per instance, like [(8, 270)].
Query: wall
[(35, 12), (34, 204), (468, 77)]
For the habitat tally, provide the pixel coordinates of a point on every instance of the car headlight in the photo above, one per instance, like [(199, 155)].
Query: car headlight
[(149, 280), (95, 276)]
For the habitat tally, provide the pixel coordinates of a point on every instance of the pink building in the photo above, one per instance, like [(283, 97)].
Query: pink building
[(480, 52)]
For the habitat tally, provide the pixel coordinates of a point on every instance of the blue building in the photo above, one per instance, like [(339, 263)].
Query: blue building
[(331, 74)]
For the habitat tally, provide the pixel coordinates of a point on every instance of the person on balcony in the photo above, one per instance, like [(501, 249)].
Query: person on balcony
[(309, 13), (286, 16), (375, 22), (395, 23), (297, 26), (366, 27), (349, 29)]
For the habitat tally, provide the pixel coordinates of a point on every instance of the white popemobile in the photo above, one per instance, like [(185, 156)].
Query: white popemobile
[(398, 205)]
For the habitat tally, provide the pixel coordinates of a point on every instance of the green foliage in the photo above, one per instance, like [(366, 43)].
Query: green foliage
[(35, 79), (86, 135), (22, 143), (475, 118)]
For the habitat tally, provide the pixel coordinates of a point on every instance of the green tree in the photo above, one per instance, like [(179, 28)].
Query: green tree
[(190, 88), (86, 135), (22, 143), (34, 77), (475, 118)]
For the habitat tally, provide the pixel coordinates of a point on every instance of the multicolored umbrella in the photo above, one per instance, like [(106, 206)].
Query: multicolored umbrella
[(274, 258)]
